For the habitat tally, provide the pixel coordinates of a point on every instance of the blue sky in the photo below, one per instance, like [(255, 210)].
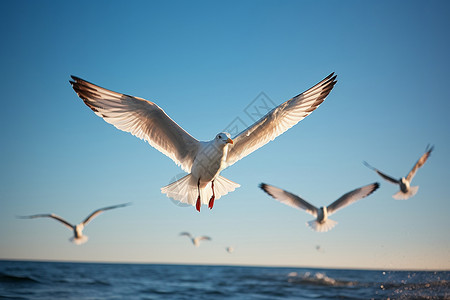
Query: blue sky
[(204, 63)]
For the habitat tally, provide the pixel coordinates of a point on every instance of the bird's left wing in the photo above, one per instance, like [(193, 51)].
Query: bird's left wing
[(279, 119), (204, 238), (141, 118), (351, 197), (420, 163), (384, 176), (100, 210), (186, 234)]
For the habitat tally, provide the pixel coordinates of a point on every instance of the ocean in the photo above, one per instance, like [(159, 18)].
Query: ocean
[(63, 280)]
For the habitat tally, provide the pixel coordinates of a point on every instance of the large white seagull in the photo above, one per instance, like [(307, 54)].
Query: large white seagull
[(203, 161)]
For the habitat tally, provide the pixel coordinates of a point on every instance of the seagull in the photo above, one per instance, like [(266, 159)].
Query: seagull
[(229, 249), (321, 223), (406, 191), (203, 161), (196, 240), (78, 237)]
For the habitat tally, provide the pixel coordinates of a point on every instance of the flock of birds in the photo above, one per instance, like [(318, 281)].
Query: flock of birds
[(203, 161)]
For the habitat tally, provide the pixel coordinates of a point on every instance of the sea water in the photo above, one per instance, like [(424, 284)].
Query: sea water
[(62, 280)]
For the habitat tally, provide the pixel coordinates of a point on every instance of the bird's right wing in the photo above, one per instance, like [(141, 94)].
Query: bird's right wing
[(141, 118), (384, 176), (420, 163), (100, 210), (289, 199), (204, 238), (352, 197), (53, 216)]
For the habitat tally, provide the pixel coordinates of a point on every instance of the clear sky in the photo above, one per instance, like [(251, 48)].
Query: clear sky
[(204, 62)]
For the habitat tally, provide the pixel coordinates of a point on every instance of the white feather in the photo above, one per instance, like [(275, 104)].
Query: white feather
[(322, 227), (404, 196)]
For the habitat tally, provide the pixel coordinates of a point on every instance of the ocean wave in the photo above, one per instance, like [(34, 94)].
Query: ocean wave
[(317, 278), (425, 285), (8, 278)]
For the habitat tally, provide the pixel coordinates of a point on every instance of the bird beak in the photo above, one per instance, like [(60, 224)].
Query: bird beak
[(229, 141)]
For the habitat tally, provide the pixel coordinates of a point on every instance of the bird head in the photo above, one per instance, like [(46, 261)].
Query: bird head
[(224, 138)]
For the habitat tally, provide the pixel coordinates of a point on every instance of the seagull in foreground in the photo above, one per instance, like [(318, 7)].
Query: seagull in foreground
[(196, 240), (202, 160), (78, 237), (406, 191), (321, 223)]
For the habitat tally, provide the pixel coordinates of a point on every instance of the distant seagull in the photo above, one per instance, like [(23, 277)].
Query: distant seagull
[(322, 223), (196, 240), (406, 191), (319, 249), (78, 237), (229, 249), (202, 160)]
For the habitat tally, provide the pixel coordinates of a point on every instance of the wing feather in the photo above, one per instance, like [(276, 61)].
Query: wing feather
[(289, 199), (53, 216), (186, 234), (100, 210), (384, 176), (141, 118), (352, 197), (420, 163), (279, 119)]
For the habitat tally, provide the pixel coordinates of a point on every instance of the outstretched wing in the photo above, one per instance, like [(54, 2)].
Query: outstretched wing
[(384, 176), (141, 118), (279, 119), (204, 238), (289, 199), (53, 216), (420, 163), (98, 211), (186, 234), (351, 197)]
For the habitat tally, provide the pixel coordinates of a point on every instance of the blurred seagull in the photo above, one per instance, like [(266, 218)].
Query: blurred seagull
[(229, 249), (319, 249), (322, 223), (202, 160), (78, 237), (196, 240), (406, 191)]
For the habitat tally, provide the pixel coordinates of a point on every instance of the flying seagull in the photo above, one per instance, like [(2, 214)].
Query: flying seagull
[(196, 240), (406, 191), (202, 160), (321, 223), (78, 237), (229, 249)]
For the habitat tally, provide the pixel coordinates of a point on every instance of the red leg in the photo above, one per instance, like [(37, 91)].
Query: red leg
[(211, 201), (197, 205)]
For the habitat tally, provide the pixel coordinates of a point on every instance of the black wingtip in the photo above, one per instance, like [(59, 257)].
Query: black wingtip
[(376, 185), (263, 186)]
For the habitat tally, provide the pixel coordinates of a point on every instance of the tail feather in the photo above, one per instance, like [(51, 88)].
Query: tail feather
[(78, 241), (404, 196), (322, 227), (185, 190)]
